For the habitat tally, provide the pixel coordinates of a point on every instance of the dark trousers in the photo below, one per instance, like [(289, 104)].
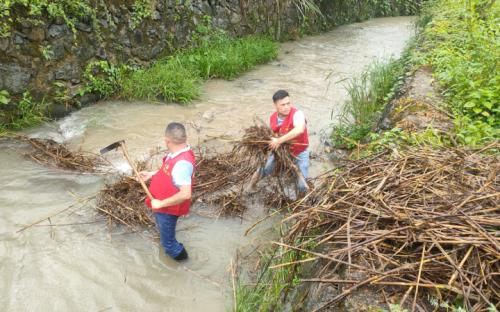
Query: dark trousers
[(166, 225)]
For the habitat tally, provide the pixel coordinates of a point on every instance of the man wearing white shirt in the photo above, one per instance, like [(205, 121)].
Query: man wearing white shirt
[(171, 187), (291, 127)]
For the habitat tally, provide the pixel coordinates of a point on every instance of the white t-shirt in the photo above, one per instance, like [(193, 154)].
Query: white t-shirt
[(182, 170), (298, 117)]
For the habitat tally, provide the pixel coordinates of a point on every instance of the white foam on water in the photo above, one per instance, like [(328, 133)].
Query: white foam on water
[(124, 168), (72, 126)]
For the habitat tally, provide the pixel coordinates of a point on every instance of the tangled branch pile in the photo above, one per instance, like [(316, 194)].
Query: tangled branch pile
[(50, 153), (219, 179), (415, 223)]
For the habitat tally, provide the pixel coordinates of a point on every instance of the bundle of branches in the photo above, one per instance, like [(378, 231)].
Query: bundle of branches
[(416, 222), (49, 152), (221, 179), (123, 202)]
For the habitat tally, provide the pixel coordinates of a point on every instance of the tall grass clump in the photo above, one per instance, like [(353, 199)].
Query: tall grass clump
[(368, 95), (272, 285), (178, 78), (166, 80), (225, 57), (461, 43), (25, 113)]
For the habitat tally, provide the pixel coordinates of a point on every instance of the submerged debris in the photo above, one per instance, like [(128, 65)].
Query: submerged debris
[(51, 153), (414, 222), (219, 181)]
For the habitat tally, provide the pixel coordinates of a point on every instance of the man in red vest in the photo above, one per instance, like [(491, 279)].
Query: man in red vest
[(171, 187), (290, 125)]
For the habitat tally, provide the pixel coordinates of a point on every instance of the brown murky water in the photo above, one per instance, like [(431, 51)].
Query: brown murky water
[(82, 267)]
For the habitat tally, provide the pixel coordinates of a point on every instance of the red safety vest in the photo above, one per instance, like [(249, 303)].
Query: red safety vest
[(162, 185), (300, 142)]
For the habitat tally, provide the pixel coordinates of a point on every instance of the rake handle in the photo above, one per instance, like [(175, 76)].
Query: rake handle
[(125, 153)]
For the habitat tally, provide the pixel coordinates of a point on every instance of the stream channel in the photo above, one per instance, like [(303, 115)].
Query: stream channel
[(87, 267)]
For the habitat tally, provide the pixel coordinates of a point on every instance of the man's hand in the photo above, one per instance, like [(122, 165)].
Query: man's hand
[(274, 143), (156, 204), (146, 175)]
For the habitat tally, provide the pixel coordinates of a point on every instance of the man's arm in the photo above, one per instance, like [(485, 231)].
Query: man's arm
[(183, 194), (296, 131)]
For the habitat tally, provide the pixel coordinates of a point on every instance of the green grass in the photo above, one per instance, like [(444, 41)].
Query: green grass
[(462, 44), (164, 81), (27, 113), (178, 78), (266, 294), (368, 94)]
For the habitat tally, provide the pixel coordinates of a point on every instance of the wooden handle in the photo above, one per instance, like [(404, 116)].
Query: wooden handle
[(125, 153)]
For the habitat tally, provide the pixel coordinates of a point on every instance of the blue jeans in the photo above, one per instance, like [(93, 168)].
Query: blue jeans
[(302, 161), (166, 225)]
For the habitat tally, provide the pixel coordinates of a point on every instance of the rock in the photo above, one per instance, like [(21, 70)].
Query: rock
[(103, 22), (151, 32), (87, 99), (68, 71), (58, 110), (208, 116), (36, 34), (58, 50), (14, 78), (235, 18), (18, 39), (138, 37), (156, 16), (206, 8), (57, 31), (84, 51), (4, 44), (102, 54), (83, 27)]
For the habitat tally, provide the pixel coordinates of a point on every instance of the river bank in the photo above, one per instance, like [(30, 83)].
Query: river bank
[(325, 259), (88, 267)]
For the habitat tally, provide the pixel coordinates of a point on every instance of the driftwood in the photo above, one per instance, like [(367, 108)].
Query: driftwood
[(53, 154), (415, 221), (220, 180)]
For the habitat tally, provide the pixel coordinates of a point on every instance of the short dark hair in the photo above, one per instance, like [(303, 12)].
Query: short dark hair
[(280, 94), (176, 132)]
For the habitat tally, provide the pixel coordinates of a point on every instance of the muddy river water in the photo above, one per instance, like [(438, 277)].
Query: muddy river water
[(77, 264)]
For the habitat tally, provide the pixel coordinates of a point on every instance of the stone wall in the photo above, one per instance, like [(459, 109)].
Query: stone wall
[(50, 58)]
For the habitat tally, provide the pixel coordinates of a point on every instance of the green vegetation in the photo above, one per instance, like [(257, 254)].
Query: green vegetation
[(165, 80), (67, 10), (27, 113), (461, 42), (71, 11), (273, 282), (178, 78), (103, 78), (369, 93)]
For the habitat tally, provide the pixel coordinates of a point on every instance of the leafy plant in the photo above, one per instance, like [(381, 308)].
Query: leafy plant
[(47, 52), (4, 97), (28, 113), (141, 9), (461, 43), (103, 78)]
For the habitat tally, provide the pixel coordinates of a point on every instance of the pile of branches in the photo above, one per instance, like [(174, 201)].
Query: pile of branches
[(220, 180), (414, 223), (50, 153)]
